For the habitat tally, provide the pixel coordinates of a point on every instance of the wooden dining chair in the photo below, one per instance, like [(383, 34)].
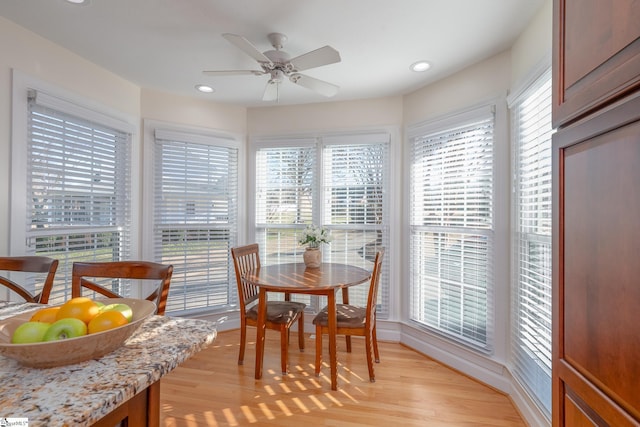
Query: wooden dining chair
[(355, 320), (141, 270), (30, 264), (281, 315)]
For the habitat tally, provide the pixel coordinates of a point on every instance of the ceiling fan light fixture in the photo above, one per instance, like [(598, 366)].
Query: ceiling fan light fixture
[(205, 89), (420, 66), (279, 65)]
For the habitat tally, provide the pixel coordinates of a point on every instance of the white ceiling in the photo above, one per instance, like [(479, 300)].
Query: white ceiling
[(166, 44)]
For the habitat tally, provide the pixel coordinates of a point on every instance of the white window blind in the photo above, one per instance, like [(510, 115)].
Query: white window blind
[(195, 217), (285, 199), (339, 182), (79, 190), (355, 182), (531, 305), (451, 227)]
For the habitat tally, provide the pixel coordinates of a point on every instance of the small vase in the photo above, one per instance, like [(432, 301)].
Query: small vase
[(312, 257)]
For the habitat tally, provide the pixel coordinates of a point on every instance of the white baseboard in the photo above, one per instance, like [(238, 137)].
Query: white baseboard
[(526, 406)]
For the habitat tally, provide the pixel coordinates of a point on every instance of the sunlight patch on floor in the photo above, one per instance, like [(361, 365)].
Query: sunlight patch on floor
[(231, 419), (283, 408), (269, 390), (266, 411), (301, 405), (211, 419), (246, 411), (317, 402)]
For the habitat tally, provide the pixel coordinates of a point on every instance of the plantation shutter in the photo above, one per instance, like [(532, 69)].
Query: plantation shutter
[(78, 188), (451, 227), (531, 305), (195, 217)]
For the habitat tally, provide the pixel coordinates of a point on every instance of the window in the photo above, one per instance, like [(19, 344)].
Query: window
[(78, 187), (531, 305), (337, 181), (451, 226), (195, 219)]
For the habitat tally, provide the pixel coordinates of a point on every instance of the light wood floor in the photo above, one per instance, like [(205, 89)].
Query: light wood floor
[(211, 389)]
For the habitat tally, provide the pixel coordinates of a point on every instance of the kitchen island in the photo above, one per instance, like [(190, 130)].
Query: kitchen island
[(123, 383)]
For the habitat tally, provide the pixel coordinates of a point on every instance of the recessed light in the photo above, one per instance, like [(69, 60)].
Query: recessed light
[(420, 66), (78, 1), (205, 88)]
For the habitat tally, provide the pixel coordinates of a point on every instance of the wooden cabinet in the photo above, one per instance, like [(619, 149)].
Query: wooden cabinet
[(596, 55), (596, 164)]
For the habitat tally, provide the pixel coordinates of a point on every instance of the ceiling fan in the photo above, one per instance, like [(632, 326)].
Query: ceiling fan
[(279, 65)]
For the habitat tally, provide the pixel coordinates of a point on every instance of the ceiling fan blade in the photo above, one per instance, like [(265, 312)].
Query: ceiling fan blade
[(316, 58), (271, 91), (320, 86), (233, 73), (246, 46)]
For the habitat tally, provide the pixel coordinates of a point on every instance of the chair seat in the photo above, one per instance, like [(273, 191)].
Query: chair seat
[(349, 316), (278, 311)]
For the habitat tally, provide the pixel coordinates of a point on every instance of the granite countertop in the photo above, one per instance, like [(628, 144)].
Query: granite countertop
[(81, 394)]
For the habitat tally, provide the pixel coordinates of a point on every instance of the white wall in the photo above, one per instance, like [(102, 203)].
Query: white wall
[(330, 116), (482, 81), (533, 45), (30, 54), (192, 111)]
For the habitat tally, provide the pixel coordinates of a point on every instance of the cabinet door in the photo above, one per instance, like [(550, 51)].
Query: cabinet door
[(596, 361), (596, 55)]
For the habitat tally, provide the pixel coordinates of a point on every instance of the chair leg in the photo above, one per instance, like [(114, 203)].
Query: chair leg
[(367, 344), (348, 340), (375, 345), (301, 332), (243, 340), (284, 347), (318, 349)]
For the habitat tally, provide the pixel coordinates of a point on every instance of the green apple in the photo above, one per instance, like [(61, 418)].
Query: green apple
[(69, 327), (100, 304), (30, 332), (126, 311)]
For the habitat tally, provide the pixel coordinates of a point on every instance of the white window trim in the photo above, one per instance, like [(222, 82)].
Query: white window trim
[(473, 362), (80, 105)]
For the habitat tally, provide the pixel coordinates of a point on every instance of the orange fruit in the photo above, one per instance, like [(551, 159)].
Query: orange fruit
[(106, 320), (45, 315), (81, 308)]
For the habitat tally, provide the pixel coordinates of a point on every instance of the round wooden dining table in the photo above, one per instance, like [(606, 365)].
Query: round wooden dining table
[(297, 278)]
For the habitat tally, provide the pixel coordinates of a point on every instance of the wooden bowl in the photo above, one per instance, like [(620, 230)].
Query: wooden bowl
[(73, 350)]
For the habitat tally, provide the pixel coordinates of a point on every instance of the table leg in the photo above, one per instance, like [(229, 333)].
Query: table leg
[(333, 332), (262, 316), (345, 300)]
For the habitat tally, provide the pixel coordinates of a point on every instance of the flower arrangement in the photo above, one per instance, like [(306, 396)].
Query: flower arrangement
[(314, 236)]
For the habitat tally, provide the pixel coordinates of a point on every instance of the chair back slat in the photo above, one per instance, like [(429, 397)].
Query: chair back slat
[(30, 264), (140, 270), (246, 258), (372, 298)]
